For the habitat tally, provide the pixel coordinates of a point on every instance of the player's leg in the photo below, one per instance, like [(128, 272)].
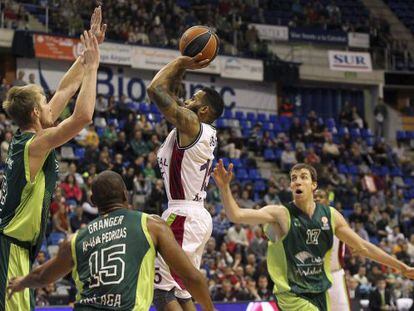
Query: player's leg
[(339, 292), (187, 304), (197, 232), (166, 301), (290, 301), (14, 262)]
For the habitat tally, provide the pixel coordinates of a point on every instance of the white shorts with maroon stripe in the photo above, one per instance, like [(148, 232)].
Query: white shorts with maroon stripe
[(339, 292), (192, 225)]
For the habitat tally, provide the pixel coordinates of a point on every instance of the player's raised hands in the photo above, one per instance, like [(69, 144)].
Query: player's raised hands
[(97, 28), (91, 53), (221, 176), (196, 62)]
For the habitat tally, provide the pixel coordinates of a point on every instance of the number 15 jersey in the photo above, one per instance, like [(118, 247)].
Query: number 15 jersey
[(186, 171)]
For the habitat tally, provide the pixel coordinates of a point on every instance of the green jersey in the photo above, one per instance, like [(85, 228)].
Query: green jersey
[(114, 263), (25, 199), (299, 262)]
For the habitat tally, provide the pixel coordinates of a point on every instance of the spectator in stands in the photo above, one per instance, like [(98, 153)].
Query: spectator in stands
[(122, 146), (288, 158), (109, 136), (32, 78), (101, 106), (19, 81), (142, 187), (237, 235), (380, 298), (155, 199), (4, 87), (271, 196), (330, 150), (73, 170), (263, 290), (381, 116), (71, 189), (245, 201), (220, 226), (4, 147), (258, 245), (61, 220), (361, 276), (78, 220), (225, 293), (360, 230), (91, 139)]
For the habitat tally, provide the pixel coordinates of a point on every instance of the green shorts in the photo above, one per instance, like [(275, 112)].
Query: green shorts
[(309, 302), (14, 261)]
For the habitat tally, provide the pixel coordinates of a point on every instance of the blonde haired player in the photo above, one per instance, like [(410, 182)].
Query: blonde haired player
[(338, 292), (32, 167)]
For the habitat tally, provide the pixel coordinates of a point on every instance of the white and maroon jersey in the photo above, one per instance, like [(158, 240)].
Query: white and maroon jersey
[(338, 254), (186, 171)]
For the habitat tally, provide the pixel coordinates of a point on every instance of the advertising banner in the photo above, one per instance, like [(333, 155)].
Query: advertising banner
[(241, 68), (271, 32), (116, 80), (55, 47), (358, 40), (318, 36), (6, 37), (350, 61), (113, 53)]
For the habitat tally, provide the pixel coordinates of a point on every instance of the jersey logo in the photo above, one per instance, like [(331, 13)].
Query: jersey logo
[(313, 235), (213, 141), (303, 256), (325, 223), (197, 198), (296, 222)]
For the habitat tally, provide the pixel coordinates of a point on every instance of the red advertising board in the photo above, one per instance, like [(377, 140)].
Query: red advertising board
[(55, 47)]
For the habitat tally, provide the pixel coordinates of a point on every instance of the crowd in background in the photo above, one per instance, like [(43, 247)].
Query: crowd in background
[(161, 23), (126, 140)]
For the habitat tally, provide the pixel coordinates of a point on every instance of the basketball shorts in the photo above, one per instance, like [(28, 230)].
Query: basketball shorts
[(192, 225), (310, 302), (14, 261), (339, 292)]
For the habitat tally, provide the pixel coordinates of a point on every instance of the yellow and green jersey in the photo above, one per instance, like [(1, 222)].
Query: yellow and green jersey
[(114, 263), (299, 262), (25, 199)]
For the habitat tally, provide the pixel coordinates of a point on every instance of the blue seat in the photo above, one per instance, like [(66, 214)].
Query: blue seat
[(239, 115), (261, 117), (236, 163), (220, 123), (401, 135), (251, 116), (396, 171), (144, 108), (245, 124), (254, 174), (100, 131), (267, 126), (330, 123), (259, 186), (343, 169), (269, 155), (228, 113), (55, 237), (355, 133), (273, 118), (347, 212), (353, 170), (80, 153), (242, 174)]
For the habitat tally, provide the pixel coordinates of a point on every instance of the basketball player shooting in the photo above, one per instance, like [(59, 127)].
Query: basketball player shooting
[(185, 160)]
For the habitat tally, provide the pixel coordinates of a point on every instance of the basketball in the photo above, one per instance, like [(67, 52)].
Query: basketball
[(199, 39)]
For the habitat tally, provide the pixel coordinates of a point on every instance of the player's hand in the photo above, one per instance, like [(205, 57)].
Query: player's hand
[(91, 53), (96, 25), (193, 63), (408, 273), (15, 285), (221, 176)]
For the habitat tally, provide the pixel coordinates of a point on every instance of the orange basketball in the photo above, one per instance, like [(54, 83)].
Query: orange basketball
[(199, 39)]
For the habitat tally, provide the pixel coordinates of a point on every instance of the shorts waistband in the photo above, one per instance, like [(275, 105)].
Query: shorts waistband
[(22, 244), (185, 204)]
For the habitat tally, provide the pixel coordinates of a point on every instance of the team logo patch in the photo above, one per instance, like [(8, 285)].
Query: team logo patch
[(325, 223)]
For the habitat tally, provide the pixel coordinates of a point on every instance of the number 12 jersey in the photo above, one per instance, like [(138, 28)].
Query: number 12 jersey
[(186, 170)]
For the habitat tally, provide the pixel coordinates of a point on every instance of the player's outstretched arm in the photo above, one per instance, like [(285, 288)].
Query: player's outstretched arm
[(177, 260), (49, 272), (71, 81), (265, 215), (161, 92), (56, 136), (364, 248)]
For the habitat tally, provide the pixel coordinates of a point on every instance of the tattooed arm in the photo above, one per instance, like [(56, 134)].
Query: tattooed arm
[(162, 92)]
